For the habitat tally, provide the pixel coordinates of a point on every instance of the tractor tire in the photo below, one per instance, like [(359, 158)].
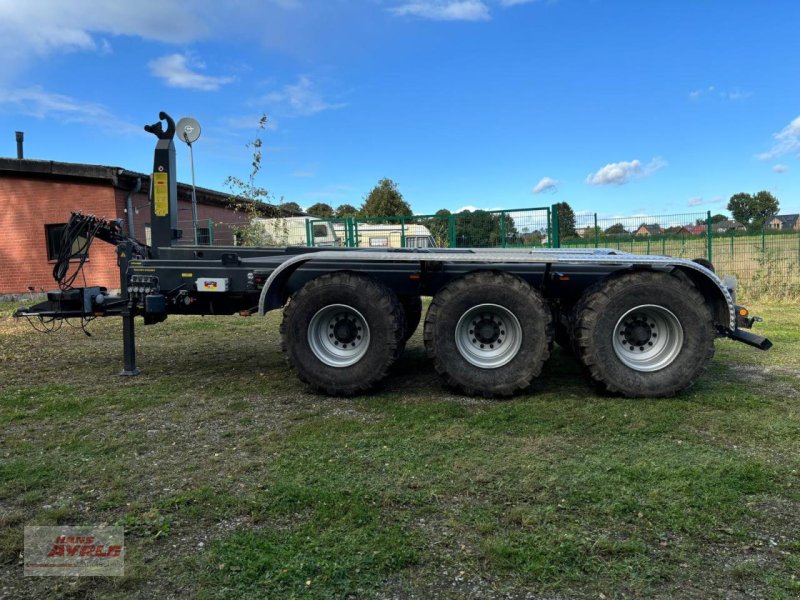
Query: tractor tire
[(342, 332), (644, 334), (412, 308), (471, 318)]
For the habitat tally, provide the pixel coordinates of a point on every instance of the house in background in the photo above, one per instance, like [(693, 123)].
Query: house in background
[(644, 229), (727, 226), (38, 196), (696, 229), (784, 222)]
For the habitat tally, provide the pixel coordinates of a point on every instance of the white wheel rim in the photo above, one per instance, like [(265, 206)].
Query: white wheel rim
[(488, 336), (647, 338), (338, 335)]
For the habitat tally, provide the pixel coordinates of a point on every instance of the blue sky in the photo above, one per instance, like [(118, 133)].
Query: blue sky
[(621, 107)]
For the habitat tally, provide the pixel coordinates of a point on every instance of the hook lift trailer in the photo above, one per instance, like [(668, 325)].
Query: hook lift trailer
[(641, 326)]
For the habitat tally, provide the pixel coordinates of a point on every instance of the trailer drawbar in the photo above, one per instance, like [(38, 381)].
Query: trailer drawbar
[(642, 326)]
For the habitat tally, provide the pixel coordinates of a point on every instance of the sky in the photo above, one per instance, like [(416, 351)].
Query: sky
[(621, 107)]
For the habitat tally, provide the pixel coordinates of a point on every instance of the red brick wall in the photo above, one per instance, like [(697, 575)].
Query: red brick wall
[(26, 205), (224, 220)]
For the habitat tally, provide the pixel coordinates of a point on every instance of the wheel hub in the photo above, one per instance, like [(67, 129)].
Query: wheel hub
[(488, 336), (338, 335), (345, 329), (648, 338)]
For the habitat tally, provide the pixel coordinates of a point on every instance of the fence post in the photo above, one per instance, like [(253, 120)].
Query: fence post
[(549, 230), (503, 227), (308, 234), (648, 246), (210, 232), (709, 238), (596, 233), (402, 232), (355, 237), (763, 239), (556, 232), (663, 246), (451, 230)]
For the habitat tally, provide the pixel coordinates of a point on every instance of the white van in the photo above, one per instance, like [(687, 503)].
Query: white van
[(295, 231), (376, 235)]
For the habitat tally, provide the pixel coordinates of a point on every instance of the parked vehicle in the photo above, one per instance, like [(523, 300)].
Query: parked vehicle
[(378, 235), (297, 231), (640, 325)]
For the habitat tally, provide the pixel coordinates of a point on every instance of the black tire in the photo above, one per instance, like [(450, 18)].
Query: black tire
[(381, 312), (531, 316), (687, 349), (412, 309)]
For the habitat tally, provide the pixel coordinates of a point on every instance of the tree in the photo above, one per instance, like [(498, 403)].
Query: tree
[(616, 229), (346, 210), (740, 207), (290, 207), (321, 210), (718, 218), (566, 220), (765, 205), (385, 200), (753, 210), (439, 227)]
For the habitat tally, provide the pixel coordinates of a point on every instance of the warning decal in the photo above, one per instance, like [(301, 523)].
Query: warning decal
[(161, 194)]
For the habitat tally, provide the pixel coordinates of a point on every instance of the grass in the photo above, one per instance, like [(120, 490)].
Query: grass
[(232, 480)]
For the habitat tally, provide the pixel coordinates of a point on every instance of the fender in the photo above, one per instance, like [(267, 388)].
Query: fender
[(273, 295)]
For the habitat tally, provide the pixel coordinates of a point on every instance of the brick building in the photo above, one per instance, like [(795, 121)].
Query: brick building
[(37, 197)]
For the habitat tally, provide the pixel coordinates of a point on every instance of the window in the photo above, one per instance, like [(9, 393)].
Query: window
[(203, 236), (381, 242), (419, 241), (320, 231), (53, 235)]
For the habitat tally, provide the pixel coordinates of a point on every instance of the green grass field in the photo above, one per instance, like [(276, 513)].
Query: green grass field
[(233, 481)]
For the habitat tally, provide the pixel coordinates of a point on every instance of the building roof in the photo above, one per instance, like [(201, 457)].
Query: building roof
[(653, 228), (727, 225), (121, 179), (787, 220)]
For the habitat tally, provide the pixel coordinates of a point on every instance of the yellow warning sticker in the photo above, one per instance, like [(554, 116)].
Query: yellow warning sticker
[(161, 194)]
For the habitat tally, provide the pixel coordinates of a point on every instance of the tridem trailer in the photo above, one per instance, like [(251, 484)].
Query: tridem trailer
[(640, 325)]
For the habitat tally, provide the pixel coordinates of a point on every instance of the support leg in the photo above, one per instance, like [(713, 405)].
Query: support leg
[(128, 344)]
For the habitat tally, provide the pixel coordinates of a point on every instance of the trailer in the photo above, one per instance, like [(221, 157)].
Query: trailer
[(641, 326)]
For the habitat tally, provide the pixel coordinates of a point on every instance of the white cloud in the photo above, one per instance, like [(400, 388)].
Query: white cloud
[(444, 10), (303, 174), (787, 141), (176, 71), (700, 201), (546, 184), (515, 2), (780, 168), (39, 28), (41, 104), (620, 173), (732, 95), (300, 99)]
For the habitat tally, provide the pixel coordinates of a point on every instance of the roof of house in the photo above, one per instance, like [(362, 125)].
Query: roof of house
[(119, 178), (652, 228), (787, 219), (727, 224), (696, 229)]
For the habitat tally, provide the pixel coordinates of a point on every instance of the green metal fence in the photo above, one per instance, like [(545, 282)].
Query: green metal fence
[(479, 229), (766, 262)]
